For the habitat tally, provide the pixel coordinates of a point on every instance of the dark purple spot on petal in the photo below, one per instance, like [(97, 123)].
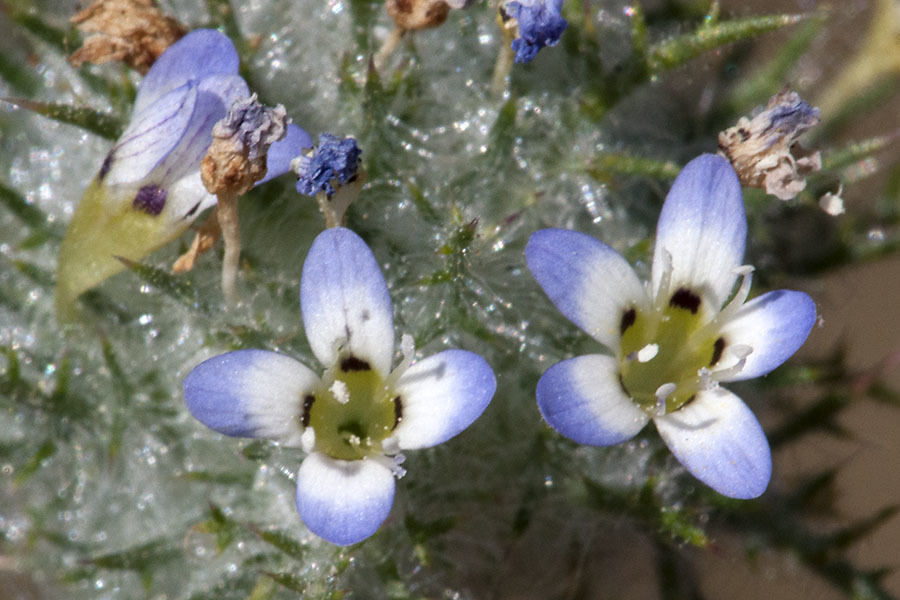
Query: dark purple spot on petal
[(307, 406), (150, 199), (398, 412), (718, 348), (628, 319), (686, 299), (106, 166), (351, 363)]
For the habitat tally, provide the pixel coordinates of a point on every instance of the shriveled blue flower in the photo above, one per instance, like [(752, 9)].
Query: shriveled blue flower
[(334, 161), (149, 190), (540, 24), (674, 340), (356, 417)]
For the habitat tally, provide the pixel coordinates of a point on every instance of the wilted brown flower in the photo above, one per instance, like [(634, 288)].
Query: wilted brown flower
[(135, 32), (760, 148)]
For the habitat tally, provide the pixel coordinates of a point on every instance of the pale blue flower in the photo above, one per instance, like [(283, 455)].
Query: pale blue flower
[(148, 190), (356, 417), (540, 24), (674, 339)]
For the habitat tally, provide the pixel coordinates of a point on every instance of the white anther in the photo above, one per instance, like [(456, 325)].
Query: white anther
[(308, 440), (741, 351), (647, 353), (340, 391), (396, 469)]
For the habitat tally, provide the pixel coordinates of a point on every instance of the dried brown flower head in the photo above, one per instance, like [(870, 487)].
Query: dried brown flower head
[(418, 14), (135, 32), (760, 148)]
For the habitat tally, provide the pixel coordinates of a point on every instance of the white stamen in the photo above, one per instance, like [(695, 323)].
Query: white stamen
[(391, 462), (647, 353), (727, 312), (663, 392), (665, 280), (408, 348), (340, 391), (706, 380), (745, 272), (741, 352), (308, 440), (354, 440)]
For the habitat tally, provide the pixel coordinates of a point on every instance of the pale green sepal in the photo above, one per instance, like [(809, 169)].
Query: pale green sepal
[(105, 226)]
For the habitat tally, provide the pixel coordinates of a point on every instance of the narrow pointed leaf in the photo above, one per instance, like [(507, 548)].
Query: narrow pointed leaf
[(29, 214), (677, 51), (90, 119), (171, 285)]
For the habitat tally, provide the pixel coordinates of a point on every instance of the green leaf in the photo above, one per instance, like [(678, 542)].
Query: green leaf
[(856, 151), (242, 480), (675, 522), (142, 558), (604, 166), (768, 80), (422, 531), (173, 286), (102, 124), (60, 39), (677, 51), (45, 451), (20, 76), (29, 214), (282, 541), (288, 580)]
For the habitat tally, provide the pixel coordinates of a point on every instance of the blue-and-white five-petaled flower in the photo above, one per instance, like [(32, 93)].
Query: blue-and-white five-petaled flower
[(673, 340), (356, 417), (149, 190), (540, 24)]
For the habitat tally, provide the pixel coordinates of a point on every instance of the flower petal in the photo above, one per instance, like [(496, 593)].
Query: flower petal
[(442, 395), (250, 393), (703, 228), (345, 301), (344, 501), (151, 136), (199, 54), (582, 399), (717, 439), (281, 153), (214, 97), (775, 325), (589, 282)]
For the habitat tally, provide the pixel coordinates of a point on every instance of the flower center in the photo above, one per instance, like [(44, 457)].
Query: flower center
[(352, 411), (663, 351), (668, 353)]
